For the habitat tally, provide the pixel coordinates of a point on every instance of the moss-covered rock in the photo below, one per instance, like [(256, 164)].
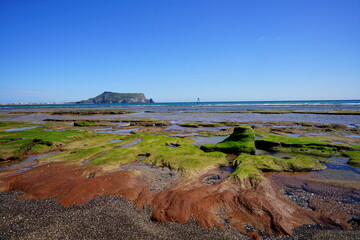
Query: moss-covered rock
[(354, 158), (18, 147), (173, 152), (250, 166), (240, 141), (19, 144), (83, 123), (300, 145)]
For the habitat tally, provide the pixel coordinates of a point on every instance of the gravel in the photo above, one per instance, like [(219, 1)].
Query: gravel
[(102, 218), (117, 218), (159, 178), (298, 196)]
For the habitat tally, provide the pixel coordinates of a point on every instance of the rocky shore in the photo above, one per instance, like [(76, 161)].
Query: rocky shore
[(151, 179)]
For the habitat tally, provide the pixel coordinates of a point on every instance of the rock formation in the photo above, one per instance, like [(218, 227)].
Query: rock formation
[(242, 140), (112, 97), (263, 207)]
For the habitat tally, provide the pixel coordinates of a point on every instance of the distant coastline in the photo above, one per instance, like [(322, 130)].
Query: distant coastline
[(290, 102), (234, 106)]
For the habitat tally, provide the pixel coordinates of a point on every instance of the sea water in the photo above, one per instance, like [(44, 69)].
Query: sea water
[(318, 105), (182, 112)]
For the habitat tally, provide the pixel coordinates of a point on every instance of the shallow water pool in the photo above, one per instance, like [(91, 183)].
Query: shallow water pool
[(20, 129), (207, 140)]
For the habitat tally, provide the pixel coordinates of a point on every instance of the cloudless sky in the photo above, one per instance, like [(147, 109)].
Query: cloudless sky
[(178, 50)]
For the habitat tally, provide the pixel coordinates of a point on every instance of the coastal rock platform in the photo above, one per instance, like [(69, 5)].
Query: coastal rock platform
[(149, 179)]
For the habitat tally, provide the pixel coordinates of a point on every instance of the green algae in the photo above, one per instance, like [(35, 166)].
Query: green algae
[(354, 157), (14, 144), (80, 154), (240, 141), (229, 147), (85, 148), (80, 146), (307, 145), (184, 157), (84, 123), (250, 166), (159, 149), (17, 144), (15, 148), (10, 125)]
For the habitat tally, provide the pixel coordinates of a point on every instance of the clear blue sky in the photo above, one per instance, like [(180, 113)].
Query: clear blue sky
[(178, 50)]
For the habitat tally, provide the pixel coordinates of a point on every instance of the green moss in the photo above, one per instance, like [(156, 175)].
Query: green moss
[(325, 151), (4, 125), (79, 154), (301, 163), (354, 158), (285, 139), (246, 171), (185, 157), (307, 145), (16, 147), (58, 137), (250, 166), (40, 148), (79, 146), (42, 142), (230, 147), (83, 123), (12, 124), (240, 141), (20, 143)]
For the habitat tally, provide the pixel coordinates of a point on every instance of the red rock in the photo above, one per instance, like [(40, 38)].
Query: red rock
[(264, 207)]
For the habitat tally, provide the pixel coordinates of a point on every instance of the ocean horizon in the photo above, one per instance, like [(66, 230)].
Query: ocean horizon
[(209, 103)]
